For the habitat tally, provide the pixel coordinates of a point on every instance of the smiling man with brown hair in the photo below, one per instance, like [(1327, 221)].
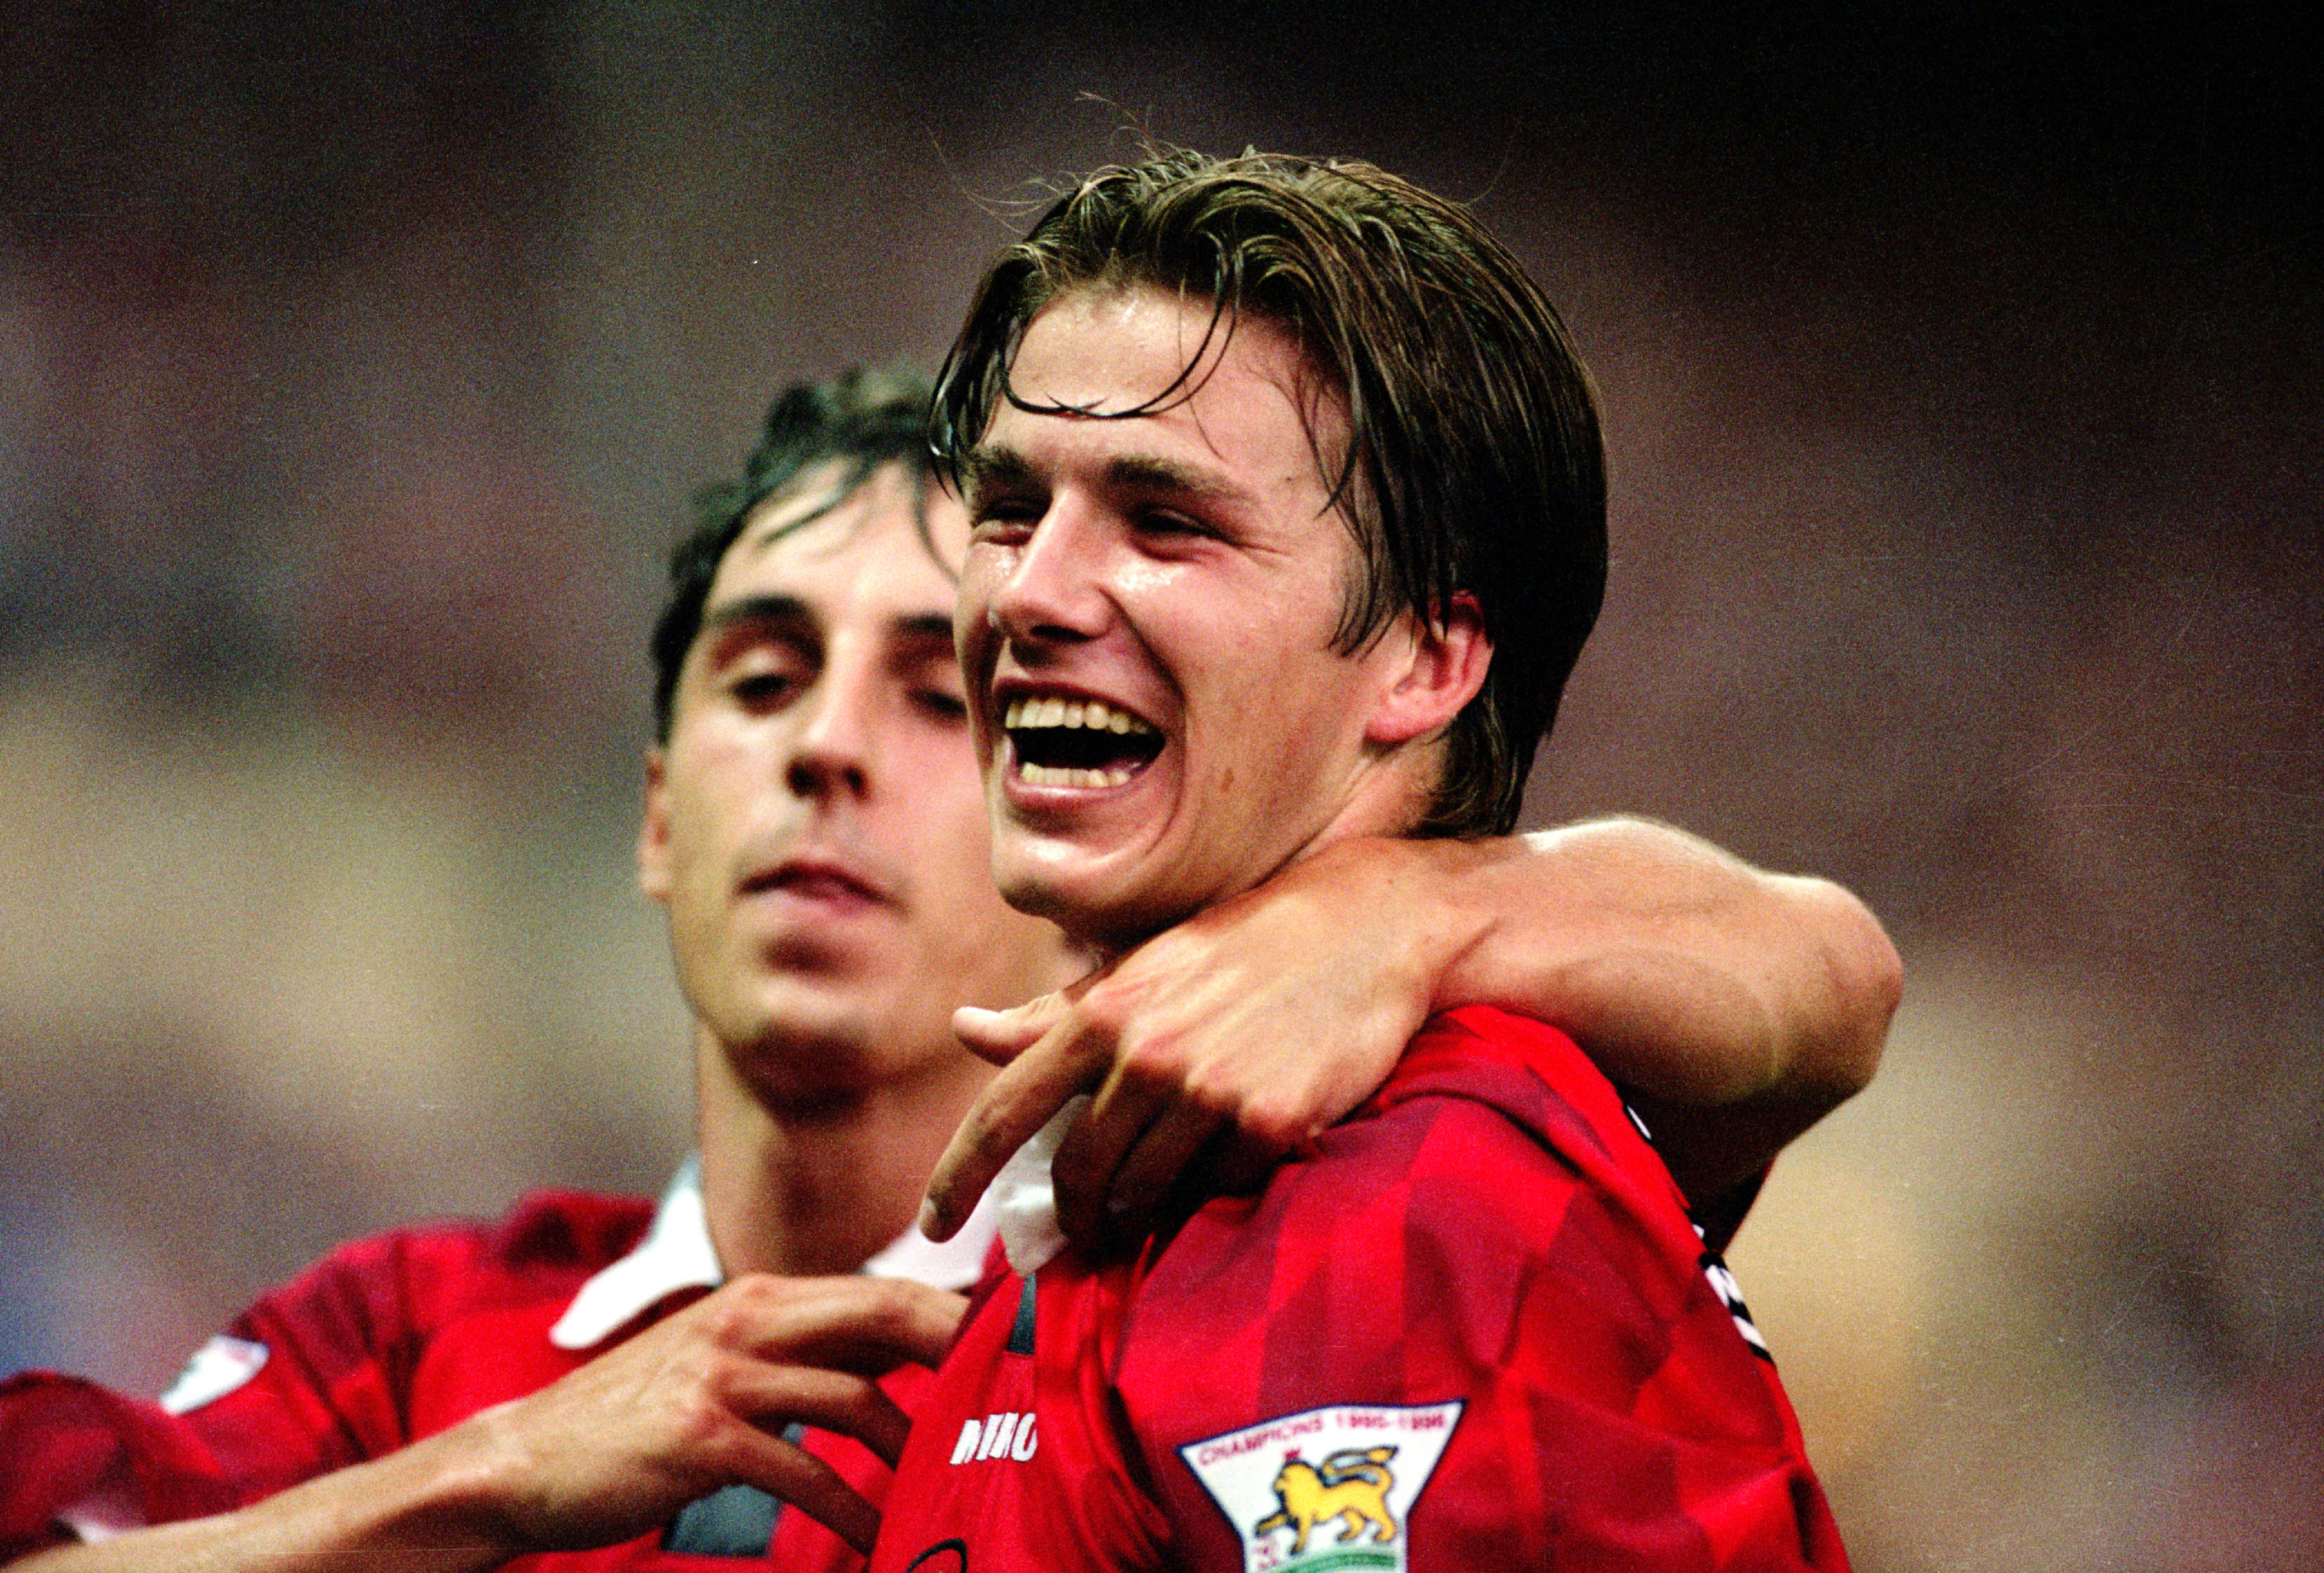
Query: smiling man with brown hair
[(1285, 470)]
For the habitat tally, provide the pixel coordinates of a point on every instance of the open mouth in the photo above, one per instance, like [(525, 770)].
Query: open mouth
[(1077, 742)]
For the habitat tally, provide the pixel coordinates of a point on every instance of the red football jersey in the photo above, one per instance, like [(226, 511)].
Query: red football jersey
[(385, 1341), (1474, 1330)]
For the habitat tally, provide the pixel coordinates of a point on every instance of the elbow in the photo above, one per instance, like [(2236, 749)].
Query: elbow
[(1866, 978)]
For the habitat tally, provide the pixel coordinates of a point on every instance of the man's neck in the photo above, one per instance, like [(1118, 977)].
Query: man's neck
[(1393, 800), (821, 1189)]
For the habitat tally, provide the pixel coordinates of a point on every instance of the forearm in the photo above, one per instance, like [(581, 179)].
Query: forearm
[(431, 1508), (1737, 1006), (1742, 1006), (1690, 973)]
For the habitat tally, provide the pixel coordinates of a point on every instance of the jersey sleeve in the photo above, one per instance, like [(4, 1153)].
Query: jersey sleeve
[(332, 1351), (300, 1383), (79, 1453), (1474, 1331)]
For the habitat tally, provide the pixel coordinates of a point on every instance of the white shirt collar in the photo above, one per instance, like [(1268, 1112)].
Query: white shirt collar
[(676, 1254), (1024, 1198)]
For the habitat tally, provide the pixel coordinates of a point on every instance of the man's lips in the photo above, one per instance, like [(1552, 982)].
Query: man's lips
[(819, 879)]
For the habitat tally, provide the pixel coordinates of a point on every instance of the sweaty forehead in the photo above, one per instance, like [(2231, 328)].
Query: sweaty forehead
[(1091, 347), (908, 539), (1236, 390)]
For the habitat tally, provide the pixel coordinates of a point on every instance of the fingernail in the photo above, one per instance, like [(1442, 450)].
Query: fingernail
[(931, 1219)]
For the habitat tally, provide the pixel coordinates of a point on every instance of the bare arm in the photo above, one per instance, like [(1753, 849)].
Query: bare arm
[(1739, 1006), (599, 1456)]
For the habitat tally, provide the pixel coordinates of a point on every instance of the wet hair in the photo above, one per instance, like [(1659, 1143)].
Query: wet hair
[(860, 420), (1473, 463)]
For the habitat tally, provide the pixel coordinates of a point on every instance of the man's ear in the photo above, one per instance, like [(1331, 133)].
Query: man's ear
[(653, 831), (1441, 667)]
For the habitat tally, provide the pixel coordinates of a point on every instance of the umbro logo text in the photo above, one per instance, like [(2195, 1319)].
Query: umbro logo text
[(1006, 1435)]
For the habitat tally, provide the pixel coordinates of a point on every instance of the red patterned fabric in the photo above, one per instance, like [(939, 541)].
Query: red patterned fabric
[(385, 1341), (1475, 1330)]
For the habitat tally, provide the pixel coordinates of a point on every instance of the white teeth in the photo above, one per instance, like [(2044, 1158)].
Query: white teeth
[(1063, 775), (1074, 715)]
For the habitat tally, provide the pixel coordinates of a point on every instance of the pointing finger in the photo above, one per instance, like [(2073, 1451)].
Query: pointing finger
[(1019, 1101)]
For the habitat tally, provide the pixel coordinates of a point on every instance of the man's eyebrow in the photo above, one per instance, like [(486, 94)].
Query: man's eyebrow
[(745, 609), (933, 627), (994, 467), (1137, 472), (924, 625), (989, 466)]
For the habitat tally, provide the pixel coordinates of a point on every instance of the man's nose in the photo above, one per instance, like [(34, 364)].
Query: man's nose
[(833, 750), (1052, 588)]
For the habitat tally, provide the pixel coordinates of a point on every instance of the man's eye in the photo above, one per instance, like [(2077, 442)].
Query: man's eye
[(763, 690), (1168, 523), (1004, 519), (942, 703)]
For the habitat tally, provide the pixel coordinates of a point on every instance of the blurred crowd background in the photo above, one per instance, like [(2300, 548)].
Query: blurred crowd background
[(1962, 373)]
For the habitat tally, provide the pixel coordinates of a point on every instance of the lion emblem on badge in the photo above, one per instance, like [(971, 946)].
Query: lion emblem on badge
[(1350, 1486)]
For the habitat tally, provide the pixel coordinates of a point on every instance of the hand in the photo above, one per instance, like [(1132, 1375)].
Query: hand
[(1748, 1004), (1234, 1038), (608, 1453), (698, 1401)]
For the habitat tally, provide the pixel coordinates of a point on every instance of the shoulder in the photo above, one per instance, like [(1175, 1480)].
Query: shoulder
[(65, 1439), (562, 1232), (545, 1247), (1531, 1073), (1490, 1260), (1497, 1181), (1480, 1090)]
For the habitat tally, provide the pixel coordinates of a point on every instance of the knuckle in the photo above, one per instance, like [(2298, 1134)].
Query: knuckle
[(733, 1314), (1104, 1014), (698, 1414), (1161, 1060), (727, 1324), (1215, 1090), (891, 1304), (888, 1299), (1271, 1122), (759, 1291)]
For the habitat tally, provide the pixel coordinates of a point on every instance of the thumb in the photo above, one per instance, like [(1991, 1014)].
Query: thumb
[(999, 1036)]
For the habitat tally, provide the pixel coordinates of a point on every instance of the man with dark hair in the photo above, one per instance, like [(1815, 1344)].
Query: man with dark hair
[(598, 1383), (1285, 470)]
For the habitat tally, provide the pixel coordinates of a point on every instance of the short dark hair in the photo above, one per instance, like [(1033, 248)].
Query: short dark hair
[(1474, 463), (864, 420)]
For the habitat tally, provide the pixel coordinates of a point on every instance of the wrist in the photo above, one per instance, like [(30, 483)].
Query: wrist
[(1412, 900), (459, 1494), (1456, 896)]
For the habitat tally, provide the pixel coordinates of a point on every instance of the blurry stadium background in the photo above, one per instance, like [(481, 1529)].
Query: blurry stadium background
[(1962, 377)]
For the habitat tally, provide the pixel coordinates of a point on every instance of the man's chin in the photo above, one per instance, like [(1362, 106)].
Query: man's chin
[(810, 1056), (840, 1011), (1093, 912)]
